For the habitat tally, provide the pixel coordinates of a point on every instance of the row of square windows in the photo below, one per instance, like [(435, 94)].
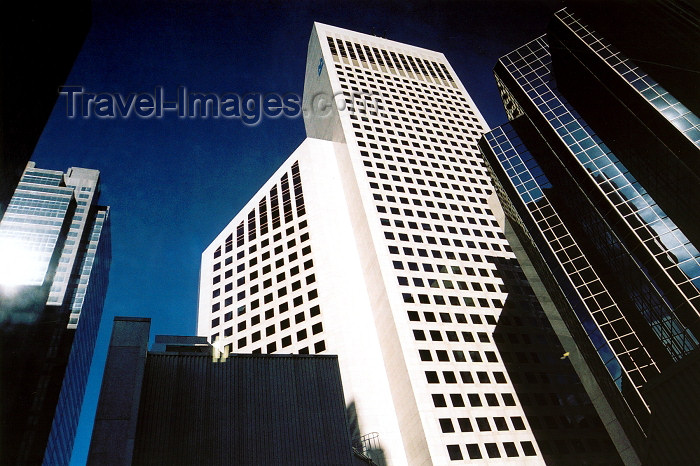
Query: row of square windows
[(441, 130), (279, 263), (425, 114), (441, 229), (301, 335), (453, 300), (450, 335), (430, 204), (269, 314), (401, 83), (267, 283), (482, 423), (446, 317), (473, 450), (400, 91), (457, 356), (394, 93), (406, 163), (447, 284), (289, 237), (437, 254), (392, 124), (318, 347), (465, 162), (474, 399), (424, 197), (291, 241), (283, 307), (465, 376), (412, 164), (393, 61), (435, 216), (473, 157), (425, 146), (265, 270), (452, 269)]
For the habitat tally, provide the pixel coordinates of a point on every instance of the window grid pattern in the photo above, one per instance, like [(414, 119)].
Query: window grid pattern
[(32, 223), (264, 298), (667, 105), (419, 156), (530, 66), (611, 334)]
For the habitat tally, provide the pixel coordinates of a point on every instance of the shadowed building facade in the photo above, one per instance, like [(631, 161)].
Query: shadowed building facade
[(597, 172), (184, 402)]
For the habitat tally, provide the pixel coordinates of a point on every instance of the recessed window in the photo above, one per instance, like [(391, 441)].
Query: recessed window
[(457, 400), (446, 425), (454, 452)]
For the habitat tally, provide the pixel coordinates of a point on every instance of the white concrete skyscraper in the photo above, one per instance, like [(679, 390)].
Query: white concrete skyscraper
[(378, 240)]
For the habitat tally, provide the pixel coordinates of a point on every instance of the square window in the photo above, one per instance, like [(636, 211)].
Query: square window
[(474, 399), (510, 449), (286, 341), (474, 451), (454, 452), (492, 450), (528, 449), (317, 328), (319, 346), (518, 423), (466, 377), (465, 424), (500, 423), (442, 355), (419, 335), (508, 399), (271, 347), (424, 355), (446, 425), (491, 399), (301, 335), (459, 356), (431, 377), (439, 401), (449, 377), (483, 424), (457, 400)]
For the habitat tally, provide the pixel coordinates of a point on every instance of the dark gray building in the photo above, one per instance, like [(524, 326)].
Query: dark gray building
[(184, 402), (597, 171)]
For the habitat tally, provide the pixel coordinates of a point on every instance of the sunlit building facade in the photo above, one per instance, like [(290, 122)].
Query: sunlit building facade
[(378, 240), (587, 192), (54, 255)]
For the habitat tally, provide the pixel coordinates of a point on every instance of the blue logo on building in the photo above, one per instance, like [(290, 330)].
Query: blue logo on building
[(320, 66)]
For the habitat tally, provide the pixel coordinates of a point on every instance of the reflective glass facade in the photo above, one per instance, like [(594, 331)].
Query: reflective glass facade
[(55, 262), (622, 272)]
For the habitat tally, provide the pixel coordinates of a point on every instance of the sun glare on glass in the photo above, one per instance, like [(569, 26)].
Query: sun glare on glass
[(20, 265)]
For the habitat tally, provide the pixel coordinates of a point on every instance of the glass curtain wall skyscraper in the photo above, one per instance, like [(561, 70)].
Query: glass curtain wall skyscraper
[(54, 261), (597, 173), (378, 240)]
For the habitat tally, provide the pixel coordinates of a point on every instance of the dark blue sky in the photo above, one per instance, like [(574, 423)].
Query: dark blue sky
[(172, 183)]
